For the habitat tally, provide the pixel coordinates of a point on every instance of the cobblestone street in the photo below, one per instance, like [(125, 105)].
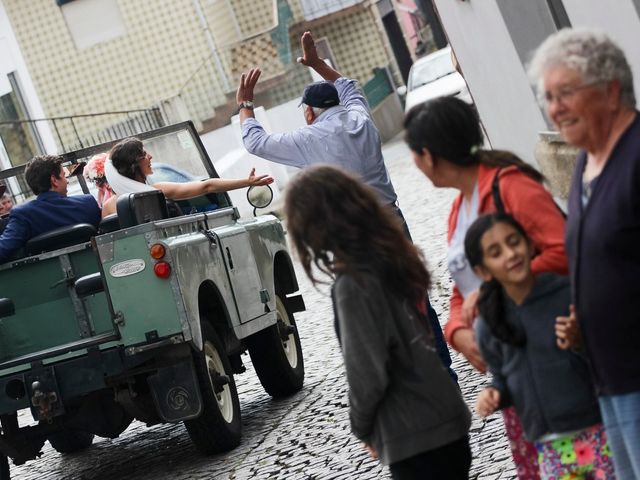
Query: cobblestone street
[(306, 436)]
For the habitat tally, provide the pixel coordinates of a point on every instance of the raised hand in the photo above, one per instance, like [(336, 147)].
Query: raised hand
[(309, 53), (247, 83), (256, 180)]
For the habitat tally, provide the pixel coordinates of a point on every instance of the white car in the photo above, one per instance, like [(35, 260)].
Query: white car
[(435, 76)]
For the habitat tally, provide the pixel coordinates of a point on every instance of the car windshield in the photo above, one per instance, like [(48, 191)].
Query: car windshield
[(431, 70), (176, 158)]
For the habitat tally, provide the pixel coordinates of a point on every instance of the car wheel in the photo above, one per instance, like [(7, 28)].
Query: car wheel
[(276, 354), (218, 428), (70, 441)]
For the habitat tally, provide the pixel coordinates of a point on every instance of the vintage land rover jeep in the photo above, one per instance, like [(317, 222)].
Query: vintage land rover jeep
[(145, 318)]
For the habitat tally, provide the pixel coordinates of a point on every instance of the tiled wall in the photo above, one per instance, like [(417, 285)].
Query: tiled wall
[(163, 48), (164, 44)]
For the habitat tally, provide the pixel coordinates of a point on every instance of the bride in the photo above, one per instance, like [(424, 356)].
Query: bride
[(129, 165)]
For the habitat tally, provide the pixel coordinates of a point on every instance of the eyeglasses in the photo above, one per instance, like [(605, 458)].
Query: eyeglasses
[(566, 94)]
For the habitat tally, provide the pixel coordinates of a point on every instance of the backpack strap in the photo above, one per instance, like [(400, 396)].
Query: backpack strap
[(495, 192), (497, 198)]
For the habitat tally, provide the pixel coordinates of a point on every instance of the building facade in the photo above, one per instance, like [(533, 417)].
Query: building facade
[(184, 57)]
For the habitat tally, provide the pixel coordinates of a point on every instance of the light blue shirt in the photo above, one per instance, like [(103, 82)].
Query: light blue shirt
[(343, 136)]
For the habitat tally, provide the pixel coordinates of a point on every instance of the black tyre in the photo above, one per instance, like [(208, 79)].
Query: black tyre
[(218, 429), (276, 354), (4, 468), (70, 441)]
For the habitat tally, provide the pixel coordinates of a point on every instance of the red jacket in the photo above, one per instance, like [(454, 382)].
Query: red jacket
[(532, 205)]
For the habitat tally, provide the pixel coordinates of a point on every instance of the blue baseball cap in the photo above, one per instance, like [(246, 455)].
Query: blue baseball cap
[(320, 95)]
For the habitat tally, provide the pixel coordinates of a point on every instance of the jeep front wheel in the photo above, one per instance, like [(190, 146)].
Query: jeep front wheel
[(218, 428), (276, 354)]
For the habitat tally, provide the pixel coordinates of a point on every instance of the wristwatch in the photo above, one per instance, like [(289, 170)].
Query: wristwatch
[(246, 104)]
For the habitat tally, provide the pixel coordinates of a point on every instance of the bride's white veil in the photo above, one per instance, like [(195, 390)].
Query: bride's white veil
[(121, 184)]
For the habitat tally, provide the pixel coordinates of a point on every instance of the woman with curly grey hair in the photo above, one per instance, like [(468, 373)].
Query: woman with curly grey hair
[(587, 88)]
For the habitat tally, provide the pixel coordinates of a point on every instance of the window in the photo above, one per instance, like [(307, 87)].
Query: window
[(529, 23), (20, 139), (91, 22), (313, 9), (559, 14)]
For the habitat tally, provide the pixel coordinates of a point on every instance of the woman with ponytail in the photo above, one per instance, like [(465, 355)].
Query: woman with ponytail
[(446, 140), (527, 337)]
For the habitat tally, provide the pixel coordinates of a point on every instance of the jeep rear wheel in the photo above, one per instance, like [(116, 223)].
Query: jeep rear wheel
[(276, 354), (218, 428), (70, 441)]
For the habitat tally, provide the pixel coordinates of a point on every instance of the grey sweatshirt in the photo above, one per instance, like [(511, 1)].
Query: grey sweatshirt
[(402, 400), (550, 388)]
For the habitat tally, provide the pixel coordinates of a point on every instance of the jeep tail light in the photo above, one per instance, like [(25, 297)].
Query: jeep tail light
[(162, 270), (157, 251)]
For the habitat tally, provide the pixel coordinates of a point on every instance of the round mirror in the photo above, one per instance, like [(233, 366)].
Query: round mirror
[(260, 196)]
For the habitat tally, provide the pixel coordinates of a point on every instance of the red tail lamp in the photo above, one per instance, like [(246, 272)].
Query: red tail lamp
[(157, 251), (162, 270)]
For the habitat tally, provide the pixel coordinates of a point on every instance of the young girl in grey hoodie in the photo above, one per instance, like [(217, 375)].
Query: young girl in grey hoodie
[(403, 404), (527, 340)]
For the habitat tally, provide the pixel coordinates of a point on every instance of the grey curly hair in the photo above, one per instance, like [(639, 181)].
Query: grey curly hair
[(589, 52)]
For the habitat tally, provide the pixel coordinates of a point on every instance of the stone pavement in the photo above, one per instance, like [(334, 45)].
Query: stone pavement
[(307, 435)]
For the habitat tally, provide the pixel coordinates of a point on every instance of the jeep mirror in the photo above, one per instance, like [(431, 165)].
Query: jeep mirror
[(259, 196)]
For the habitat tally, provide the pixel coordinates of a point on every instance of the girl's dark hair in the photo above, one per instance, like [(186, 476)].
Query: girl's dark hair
[(126, 155), (338, 224), (491, 297), (450, 129)]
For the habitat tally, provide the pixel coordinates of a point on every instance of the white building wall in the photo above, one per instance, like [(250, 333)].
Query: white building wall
[(11, 60), (496, 77)]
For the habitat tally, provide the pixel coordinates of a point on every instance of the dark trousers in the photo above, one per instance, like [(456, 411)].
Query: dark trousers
[(440, 343), (450, 462)]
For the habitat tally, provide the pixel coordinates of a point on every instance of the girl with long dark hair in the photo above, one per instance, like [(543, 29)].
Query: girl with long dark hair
[(446, 140), (532, 365), (403, 404)]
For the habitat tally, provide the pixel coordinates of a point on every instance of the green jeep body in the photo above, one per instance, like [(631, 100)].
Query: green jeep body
[(92, 337)]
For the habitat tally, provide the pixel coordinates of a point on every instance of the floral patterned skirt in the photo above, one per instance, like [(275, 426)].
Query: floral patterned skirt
[(524, 453), (584, 455)]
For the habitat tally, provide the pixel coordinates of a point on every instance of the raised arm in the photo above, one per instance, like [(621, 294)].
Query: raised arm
[(181, 191), (311, 59)]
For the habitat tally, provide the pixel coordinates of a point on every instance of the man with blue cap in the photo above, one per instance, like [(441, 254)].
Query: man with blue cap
[(339, 132)]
